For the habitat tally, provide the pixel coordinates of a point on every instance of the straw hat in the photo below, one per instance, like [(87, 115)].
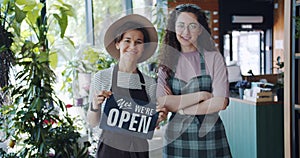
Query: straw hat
[(130, 22)]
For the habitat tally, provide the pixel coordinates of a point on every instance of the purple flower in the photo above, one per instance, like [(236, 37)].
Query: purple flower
[(243, 84)]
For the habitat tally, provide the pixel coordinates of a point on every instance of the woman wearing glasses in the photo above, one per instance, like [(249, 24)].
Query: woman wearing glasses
[(193, 86)]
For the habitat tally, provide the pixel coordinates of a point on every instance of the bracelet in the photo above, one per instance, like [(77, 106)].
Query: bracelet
[(181, 112), (92, 109)]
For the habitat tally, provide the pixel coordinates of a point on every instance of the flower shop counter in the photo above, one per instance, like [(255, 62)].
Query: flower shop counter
[(254, 130)]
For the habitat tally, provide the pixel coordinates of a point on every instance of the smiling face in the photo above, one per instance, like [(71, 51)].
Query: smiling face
[(131, 46), (187, 30)]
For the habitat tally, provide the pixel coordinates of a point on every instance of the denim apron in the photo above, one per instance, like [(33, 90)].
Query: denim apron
[(200, 136), (118, 145)]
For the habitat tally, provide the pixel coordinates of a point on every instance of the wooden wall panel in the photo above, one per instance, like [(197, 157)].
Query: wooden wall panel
[(278, 33)]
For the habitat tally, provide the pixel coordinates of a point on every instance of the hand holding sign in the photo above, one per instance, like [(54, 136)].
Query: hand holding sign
[(102, 95)]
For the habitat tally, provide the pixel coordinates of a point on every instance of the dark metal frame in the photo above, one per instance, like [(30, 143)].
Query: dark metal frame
[(294, 81), (90, 37)]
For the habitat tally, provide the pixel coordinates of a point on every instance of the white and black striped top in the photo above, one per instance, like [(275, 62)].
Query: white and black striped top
[(102, 80)]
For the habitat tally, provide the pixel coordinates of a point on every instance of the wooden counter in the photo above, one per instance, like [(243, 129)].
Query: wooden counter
[(254, 130)]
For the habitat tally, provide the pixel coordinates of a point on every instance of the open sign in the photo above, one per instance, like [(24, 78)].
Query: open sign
[(126, 115)]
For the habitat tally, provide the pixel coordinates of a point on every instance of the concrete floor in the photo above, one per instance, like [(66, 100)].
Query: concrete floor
[(156, 143)]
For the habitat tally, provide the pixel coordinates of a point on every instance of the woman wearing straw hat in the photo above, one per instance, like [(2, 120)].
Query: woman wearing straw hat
[(130, 40)]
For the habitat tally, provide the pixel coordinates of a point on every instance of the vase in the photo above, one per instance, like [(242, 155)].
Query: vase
[(84, 80), (78, 101)]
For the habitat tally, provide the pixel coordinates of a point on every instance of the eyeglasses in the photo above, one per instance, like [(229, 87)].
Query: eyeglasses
[(193, 27)]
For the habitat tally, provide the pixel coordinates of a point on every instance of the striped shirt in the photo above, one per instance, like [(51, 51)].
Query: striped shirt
[(102, 80)]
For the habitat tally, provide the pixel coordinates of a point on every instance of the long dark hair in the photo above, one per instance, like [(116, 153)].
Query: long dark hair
[(171, 46)]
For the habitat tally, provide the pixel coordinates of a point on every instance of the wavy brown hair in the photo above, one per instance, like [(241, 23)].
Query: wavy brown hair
[(171, 47)]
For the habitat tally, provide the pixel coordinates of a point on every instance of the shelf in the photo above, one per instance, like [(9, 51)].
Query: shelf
[(297, 55)]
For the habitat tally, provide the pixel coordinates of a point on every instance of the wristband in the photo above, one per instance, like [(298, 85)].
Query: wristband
[(92, 109)]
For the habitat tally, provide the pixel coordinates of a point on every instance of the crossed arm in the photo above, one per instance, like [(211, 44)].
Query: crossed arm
[(197, 103)]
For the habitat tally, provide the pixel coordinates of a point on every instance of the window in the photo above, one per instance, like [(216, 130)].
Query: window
[(104, 13), (144, 7), (247, 51), (66, 52)]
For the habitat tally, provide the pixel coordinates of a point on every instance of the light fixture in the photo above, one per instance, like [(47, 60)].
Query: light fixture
[(247, 19), (246, 26)]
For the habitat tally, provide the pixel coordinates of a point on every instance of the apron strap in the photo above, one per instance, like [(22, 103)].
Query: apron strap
[(202, 62), (141, 79)]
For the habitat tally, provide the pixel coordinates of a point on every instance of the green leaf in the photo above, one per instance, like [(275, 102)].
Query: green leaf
[(32, 16), (56, 16), (43, 56), (70, 11), (71, 41), (63, 23), (53, 58), (21, 2), (29, 7), (38, 138), (4, 2), (20, 15), (39, 105), (17, 28)]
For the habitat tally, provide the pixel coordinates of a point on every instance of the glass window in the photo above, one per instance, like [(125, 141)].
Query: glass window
[(77, 25), (246, 51), (104, 13), (66, 53), (144, 7), (156, 12)]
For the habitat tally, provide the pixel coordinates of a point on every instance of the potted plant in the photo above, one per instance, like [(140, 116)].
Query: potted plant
[(40, 125), (79, 69)]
